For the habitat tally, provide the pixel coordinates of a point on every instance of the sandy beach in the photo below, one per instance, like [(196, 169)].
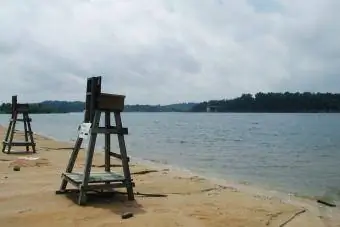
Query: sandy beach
[(27, 197)]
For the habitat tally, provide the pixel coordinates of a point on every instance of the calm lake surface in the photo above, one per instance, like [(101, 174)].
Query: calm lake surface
[(291, 153)]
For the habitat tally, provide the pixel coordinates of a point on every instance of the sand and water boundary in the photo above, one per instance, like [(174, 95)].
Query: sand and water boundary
[(27, 197)]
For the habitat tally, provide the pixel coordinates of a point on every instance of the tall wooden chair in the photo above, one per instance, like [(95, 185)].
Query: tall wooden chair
[(8, 142), (96, 104)]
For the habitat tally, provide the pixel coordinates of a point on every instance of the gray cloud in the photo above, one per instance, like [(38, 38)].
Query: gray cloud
[(162, 51)]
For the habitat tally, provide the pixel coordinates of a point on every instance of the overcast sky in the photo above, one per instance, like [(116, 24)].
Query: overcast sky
[(167, 51)]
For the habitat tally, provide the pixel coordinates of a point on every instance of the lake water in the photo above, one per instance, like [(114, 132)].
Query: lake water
[(291, 153)]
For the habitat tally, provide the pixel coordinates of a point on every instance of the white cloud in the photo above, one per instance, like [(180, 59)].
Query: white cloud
[(166, 51)]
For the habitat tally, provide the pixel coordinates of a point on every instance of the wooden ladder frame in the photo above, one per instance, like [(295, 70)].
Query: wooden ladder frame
[(96, 104), (28, 133)]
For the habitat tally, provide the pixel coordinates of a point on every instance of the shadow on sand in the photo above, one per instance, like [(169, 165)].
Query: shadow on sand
[(113, 201)]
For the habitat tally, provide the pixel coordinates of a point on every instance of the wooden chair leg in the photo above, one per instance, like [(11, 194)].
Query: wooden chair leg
[(12, 131), (7, 136), (107, 142), (89, 158), (125, 162), (30, 133), (71, 162), (26, 119)]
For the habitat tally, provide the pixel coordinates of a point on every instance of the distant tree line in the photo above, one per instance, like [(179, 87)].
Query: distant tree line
[(48, 107), (260, 102), (275, 102), (76, 106)]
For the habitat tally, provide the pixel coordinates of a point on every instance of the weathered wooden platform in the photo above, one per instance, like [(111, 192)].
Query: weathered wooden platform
[(97, 181), (95, 177)]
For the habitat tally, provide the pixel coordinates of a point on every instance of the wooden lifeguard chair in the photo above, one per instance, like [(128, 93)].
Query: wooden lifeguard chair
[(29, 140), (96, 103)]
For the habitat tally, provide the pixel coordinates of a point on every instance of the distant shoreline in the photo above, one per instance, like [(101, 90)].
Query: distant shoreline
[(306, 102), (192, 112)]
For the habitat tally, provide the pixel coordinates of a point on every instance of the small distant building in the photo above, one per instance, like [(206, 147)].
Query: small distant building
[(211, 108)]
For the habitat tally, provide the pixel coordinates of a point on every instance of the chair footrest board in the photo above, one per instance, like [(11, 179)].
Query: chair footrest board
[(22, 120), (19, 143), (95, 177)]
